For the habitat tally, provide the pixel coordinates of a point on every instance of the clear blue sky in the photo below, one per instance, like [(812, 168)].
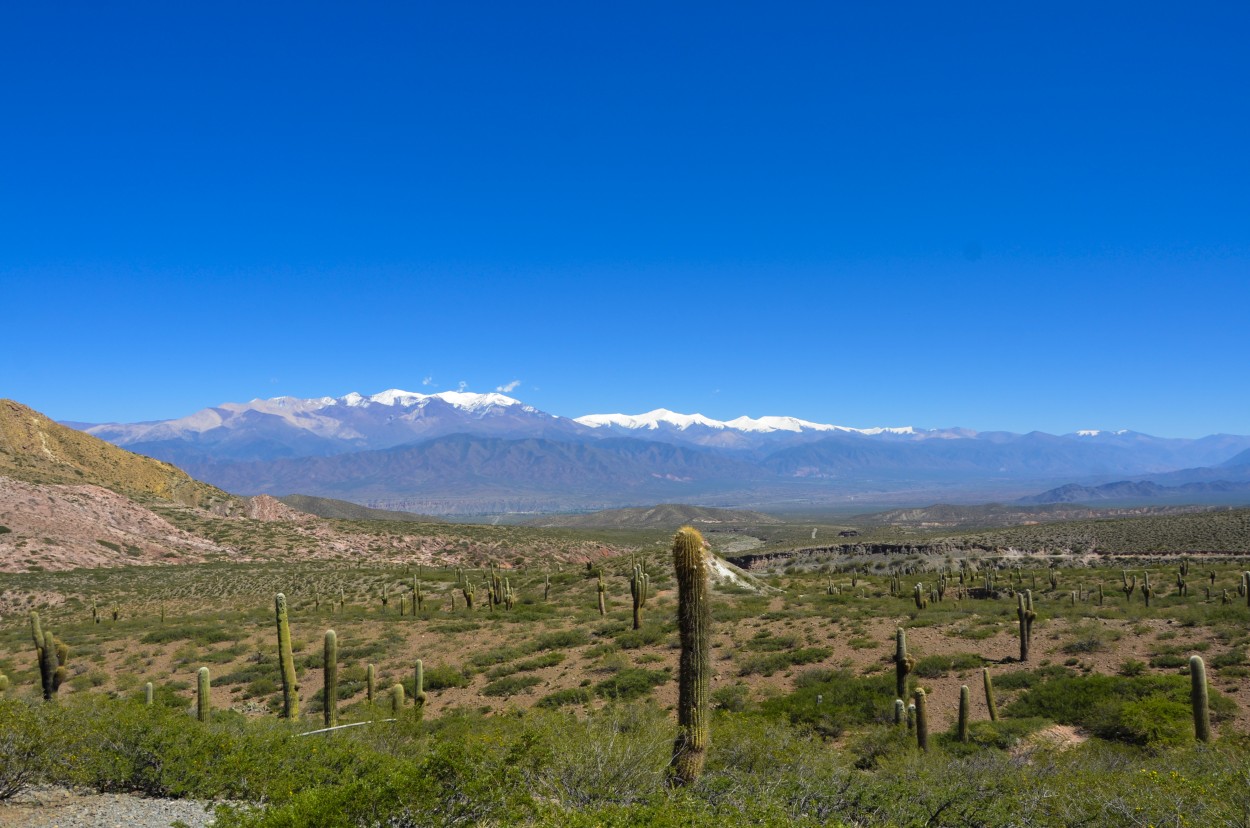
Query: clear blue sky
[(870, 214)]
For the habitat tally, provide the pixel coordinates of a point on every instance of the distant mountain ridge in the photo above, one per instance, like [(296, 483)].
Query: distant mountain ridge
[(456, 452)]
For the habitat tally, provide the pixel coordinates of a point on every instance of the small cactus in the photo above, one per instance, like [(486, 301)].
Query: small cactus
[(330, 691), (965, 705), (1198, 699), (149, 693), (203, 700), (469, 592), (900, 712), (989, 693), (694, 622), (371, 683), (418, 689), (922, 720), (1146, 591)]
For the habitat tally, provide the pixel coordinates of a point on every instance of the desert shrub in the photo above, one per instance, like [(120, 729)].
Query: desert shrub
[(570, 695), (769, 663), (200, 634), (647, 636), (510, 685), (631, 683), (1144, 710), (844, 701), (441, 678), (24, 746), (936, 666), (733, 698), (550, 659)]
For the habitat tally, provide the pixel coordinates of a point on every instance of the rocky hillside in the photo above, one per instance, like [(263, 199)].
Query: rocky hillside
[(35, 449), (54, 527)]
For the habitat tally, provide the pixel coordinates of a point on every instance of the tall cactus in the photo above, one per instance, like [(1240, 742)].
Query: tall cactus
[(330, 662), (371, 684), (922, 720), (286, 661), (903, 663), (694, 622), (638, 591), (203, 701), (53, 656), (1024, 611), (546, 587), (1146, 591), (989, 693), (468, 595), (603, 590), (418, 689), (1198, 699), (397, 699)]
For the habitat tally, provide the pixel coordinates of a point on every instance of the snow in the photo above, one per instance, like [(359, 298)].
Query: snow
[(653, 420)]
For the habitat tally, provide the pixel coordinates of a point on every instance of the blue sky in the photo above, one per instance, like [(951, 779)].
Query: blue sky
[(932, 214)]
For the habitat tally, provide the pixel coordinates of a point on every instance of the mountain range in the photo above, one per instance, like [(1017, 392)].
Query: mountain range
[(460, 452)]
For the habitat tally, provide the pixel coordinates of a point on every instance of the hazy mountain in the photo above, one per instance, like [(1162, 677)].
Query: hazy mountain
[(1126, 490), (664, 516), (464, 452)]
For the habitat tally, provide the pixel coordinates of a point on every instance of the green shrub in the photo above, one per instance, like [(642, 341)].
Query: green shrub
[(631, 683), (769, 663), (510, 685), (571, 695), (937, 666)]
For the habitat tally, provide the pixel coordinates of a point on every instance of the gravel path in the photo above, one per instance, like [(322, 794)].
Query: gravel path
[(59, 808)]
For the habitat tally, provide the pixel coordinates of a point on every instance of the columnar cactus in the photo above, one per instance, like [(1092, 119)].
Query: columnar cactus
[(1130, 586), (417, 596), (1054, 579), (286, 661), (694, 622), (965, 704), (989, 693), (546, 587), (900, 712), (468, 595), (1024, 611), (418, 690), (330, 659), (1245, 586), (603, 601), (148, 694), (638, 583), (919, 597), (4, 684), (371, 683), (203, 702), (1198, 699), (397, 699), (385, 598), (1146, 591), (53, 656), (922, 720), (903, 663)]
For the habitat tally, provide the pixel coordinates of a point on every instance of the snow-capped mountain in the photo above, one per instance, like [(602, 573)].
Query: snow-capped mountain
[(663, 418), (461, 451), (264, 429)]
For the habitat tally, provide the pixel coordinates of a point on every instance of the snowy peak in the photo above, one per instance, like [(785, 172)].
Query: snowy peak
[(1093, 432), (651, 421), (465, 400), (662, 417)]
